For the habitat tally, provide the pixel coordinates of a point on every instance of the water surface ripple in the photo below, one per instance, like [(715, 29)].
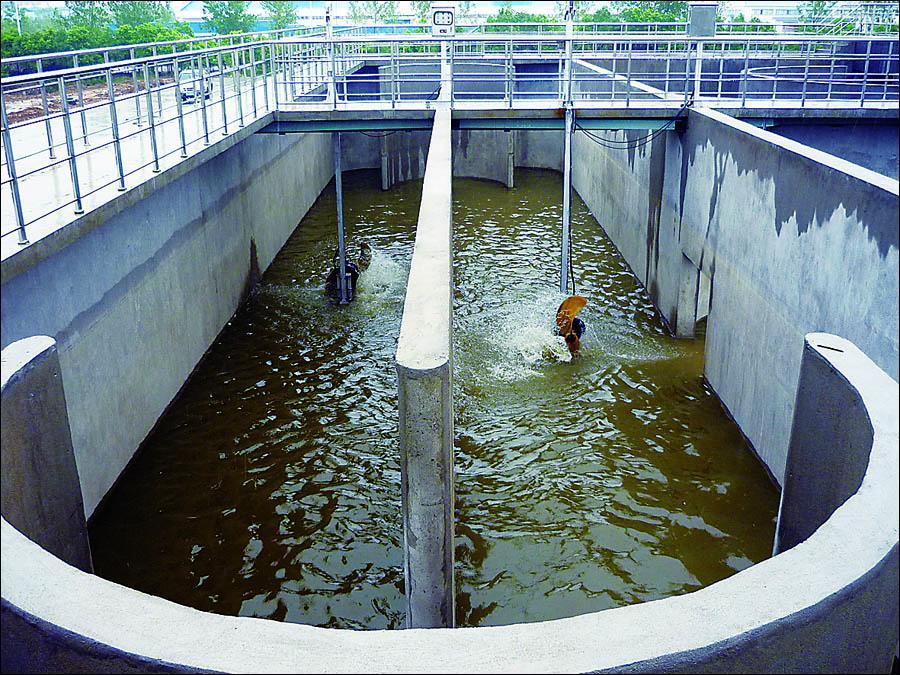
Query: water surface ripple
[(271, 486)]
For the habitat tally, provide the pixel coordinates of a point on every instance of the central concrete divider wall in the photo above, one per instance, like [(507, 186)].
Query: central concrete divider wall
[(135, 298), (792, 240), (425, 374)]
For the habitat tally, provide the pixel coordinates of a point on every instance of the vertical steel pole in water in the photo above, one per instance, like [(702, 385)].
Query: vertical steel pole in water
[(567, 204), (565, 262), (343, 289)]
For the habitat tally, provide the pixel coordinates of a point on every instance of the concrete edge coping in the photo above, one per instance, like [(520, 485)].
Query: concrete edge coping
[(820, 157), (17, 359), (424, 342), (87, 614), (53, 242)]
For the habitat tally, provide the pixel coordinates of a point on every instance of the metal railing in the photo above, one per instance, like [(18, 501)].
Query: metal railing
[(72, 138)]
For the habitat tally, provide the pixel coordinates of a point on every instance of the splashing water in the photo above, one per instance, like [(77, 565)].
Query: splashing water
[(271, 487)]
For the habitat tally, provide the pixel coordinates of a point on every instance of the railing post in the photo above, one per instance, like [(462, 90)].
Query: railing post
[(136, 88), (805, 79), (236, 70), (203, 113), (628, 76), (150, 121), (274, 69), (745, 75), (11, 169), (180, 106), (47, 126), (158, 88), (114, 124), (70, 146), (253, 80), (222, 95), (84, 134), (865, 82), (831, 70), (698, 70)]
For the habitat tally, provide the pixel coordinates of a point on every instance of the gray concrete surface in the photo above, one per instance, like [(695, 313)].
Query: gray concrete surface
[(873, 146), (134, 297), (41, 493), (424, 373), (792, 240), (829, 604)]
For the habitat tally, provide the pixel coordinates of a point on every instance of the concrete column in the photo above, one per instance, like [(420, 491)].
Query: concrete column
[(510, 159), (385, 165), (688, 290), (424, 373), (41, 492)]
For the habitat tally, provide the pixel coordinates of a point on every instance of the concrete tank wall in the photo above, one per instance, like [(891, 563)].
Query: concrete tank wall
[(135, 300), (874, 146), (828, 604), (793, 240)]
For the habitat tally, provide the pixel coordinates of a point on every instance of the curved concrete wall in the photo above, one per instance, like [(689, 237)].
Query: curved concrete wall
[(828, 604)]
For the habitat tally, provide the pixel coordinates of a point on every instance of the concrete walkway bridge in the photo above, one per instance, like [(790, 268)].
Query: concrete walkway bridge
[(75, 138)]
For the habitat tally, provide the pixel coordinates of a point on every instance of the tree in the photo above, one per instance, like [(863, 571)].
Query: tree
[(582, 8), (228, 16), (421, 8), (601, 15), (138, 13), (280, 14), (373, 11), (815, 11), (87, 13), (651, 12)]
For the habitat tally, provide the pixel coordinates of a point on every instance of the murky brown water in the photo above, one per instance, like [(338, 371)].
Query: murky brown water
[(271, 487)]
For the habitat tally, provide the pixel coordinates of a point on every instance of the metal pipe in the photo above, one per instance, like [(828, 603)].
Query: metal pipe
[(84, 133), (236, 70), (137, 91), (565, 259), (149, 95), (70, 146), (114, 124), (13, 176), (180, 106), (222, 96), (40, 69), (203, 113), (343, 286)]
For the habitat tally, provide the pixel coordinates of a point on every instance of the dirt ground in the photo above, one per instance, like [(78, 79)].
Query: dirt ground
[(26, 105)]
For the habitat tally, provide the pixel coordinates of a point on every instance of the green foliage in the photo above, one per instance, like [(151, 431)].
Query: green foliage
[(372, 11), (87, 13), (280, 14), (421, 9), (229, 16), (651, 12), (126, 13), (508, 15), (61, 39), (601, 15), (816, 10)]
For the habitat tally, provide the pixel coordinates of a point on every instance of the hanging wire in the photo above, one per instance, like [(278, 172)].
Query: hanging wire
[(627, 144), (379, 135)]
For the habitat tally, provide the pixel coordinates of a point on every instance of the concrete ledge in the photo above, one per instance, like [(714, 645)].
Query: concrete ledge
[(424, 374), (829, 604)]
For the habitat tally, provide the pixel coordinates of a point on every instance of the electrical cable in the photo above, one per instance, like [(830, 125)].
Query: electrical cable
[(628, 144), (379, 135)]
